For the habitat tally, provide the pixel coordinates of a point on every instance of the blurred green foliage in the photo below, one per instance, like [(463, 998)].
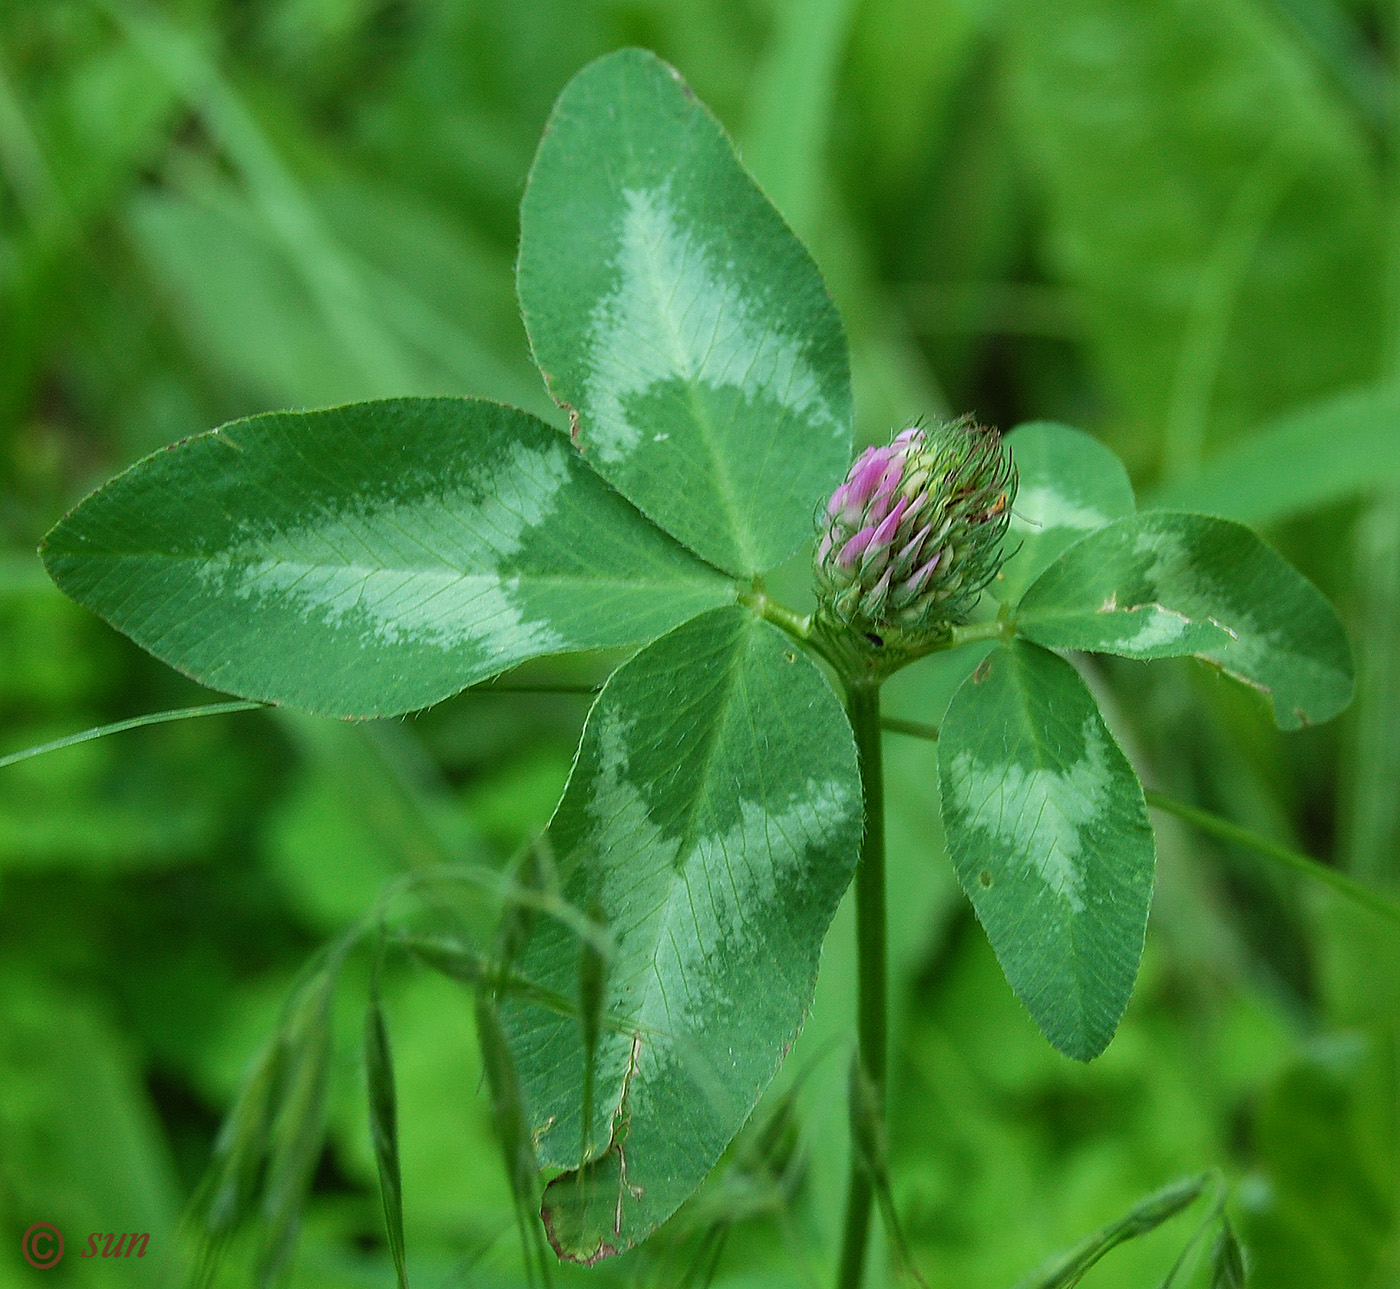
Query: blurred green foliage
[(1169, 221)]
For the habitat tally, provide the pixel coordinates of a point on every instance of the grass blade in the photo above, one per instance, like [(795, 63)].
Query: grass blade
[(1229, 1270), (131, 723), (592, 993), (1344, 447), (791, 108), (300, 1123), (1147, 1215), (225, 1198), (512, 1129), (1372, 827), (384, 1126), (870, 1139)]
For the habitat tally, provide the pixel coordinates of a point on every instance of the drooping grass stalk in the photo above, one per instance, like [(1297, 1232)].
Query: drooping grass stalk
[(863, 705), (1300, 863), (131, 723), (243, 705)]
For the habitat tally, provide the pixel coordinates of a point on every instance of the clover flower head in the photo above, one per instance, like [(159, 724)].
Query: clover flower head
[(912, 536)]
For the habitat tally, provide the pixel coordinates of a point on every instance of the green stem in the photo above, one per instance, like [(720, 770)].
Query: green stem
[(132, 723), (797, 626), (1233, 833), (914, 729), (863, 704), (997, 629), (540, 687), (242, 705)]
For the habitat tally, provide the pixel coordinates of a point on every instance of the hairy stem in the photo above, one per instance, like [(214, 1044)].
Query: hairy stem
[(863, 704)]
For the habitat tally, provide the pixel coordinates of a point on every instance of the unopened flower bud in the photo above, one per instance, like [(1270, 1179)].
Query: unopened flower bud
[(907, 543)]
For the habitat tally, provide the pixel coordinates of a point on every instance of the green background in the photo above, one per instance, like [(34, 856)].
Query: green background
[(1169, 222)]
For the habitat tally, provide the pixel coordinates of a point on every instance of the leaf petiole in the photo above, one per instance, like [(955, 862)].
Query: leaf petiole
[(543, 687), (999, 628), (914, 729)]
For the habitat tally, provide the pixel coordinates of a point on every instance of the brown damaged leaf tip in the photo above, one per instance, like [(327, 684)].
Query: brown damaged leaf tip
[(551, 1214)]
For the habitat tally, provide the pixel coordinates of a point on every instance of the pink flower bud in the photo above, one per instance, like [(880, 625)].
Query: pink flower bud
[(854, 548), (910, 538)]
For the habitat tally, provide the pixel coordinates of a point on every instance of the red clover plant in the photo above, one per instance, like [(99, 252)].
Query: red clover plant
[(660, 946)]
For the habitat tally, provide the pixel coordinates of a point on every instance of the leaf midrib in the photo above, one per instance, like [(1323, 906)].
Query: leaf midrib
[(740, 534), (1023, 695), (699, 578), (684, 851)]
